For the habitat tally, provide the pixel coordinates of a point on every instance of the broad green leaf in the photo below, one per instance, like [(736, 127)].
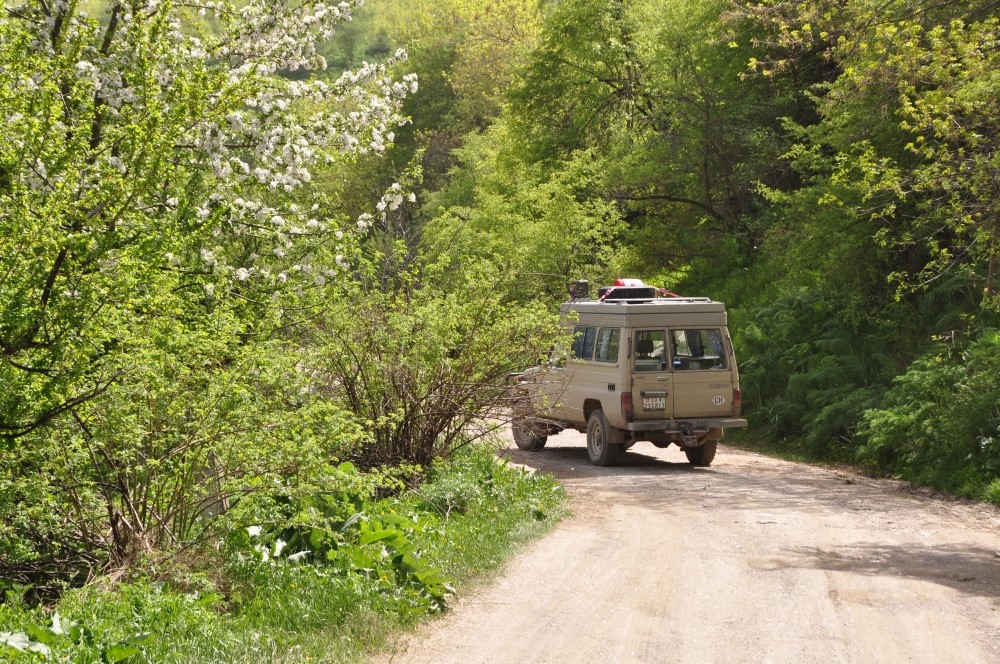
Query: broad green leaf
[(381, 535), (120, 652)]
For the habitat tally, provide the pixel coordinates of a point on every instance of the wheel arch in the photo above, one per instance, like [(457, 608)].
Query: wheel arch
[(589, 406)]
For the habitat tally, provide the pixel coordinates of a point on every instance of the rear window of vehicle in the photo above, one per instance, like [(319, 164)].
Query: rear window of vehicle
[(649, 350), (697, 349)]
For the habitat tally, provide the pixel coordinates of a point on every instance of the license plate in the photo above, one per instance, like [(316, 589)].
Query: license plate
[(654, 403)]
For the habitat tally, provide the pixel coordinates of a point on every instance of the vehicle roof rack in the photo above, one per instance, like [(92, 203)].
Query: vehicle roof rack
[(617, 293)]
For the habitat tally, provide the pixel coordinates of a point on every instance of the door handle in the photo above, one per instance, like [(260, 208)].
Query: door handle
[(661, 379)]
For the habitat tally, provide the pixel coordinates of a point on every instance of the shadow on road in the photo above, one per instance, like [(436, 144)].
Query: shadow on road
[(565, 463), (754, 494), (968, 569)]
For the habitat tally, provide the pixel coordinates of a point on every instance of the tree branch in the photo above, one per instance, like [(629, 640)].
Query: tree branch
[(704, 207)]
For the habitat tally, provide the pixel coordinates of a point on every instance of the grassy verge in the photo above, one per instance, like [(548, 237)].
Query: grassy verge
[(957, 478), (331, 603), (754, 440)]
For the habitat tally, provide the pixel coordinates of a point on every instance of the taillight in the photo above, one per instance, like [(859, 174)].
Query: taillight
[(737, 401), (627, 410)]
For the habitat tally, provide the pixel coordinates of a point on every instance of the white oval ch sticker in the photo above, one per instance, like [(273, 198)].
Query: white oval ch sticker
[(718, 401)]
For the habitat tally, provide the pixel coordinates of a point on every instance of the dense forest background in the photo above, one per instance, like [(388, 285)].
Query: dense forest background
[(254, 251), (829, 170)]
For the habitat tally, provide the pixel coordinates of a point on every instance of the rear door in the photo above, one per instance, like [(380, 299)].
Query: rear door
[(702, 375), (652, 380)]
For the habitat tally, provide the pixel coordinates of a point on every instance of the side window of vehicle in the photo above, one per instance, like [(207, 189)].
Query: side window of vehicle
[(607, 344), (697, 350), (583, 342), (649, 346)]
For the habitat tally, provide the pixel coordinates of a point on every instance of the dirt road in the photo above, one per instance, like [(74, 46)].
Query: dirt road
[(751, 560)]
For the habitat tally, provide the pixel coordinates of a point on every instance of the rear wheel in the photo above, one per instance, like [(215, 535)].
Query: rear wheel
[(604, 443), (703, 454), (526, 435)]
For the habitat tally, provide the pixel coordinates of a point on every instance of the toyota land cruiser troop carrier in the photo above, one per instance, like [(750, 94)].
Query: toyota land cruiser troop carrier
[(644, 366)]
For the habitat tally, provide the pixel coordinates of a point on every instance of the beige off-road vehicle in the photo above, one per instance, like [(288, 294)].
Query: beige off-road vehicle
[(644, 366)]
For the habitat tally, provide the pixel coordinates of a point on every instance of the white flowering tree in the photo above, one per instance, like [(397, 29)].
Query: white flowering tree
[(151, 232)]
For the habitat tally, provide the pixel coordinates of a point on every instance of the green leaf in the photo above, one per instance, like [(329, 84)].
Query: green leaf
[(361, 560), (381, 535), (80, 634), (353, 519), (120, 652), (317, 537), (42, 634), (407, 563), (208, 599), (431, 577)]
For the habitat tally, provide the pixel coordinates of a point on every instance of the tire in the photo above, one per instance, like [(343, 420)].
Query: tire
[(604, 443), (703, 455), (526, 436)]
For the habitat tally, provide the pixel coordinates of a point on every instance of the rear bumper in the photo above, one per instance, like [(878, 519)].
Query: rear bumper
[(693, 423)]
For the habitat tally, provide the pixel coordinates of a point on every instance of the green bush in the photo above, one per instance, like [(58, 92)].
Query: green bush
[(339, 564), (422, 367), (809, 376), (992, 492), (940, 422), (146, 466)]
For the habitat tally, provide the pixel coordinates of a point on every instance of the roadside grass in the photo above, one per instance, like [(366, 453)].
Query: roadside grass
[(467, 518), (955, 479), (756, 440)]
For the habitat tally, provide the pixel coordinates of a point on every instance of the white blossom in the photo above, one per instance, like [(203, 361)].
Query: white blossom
[(221, 114)]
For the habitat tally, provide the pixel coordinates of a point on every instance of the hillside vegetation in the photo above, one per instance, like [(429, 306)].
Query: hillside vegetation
[(829, 170)]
